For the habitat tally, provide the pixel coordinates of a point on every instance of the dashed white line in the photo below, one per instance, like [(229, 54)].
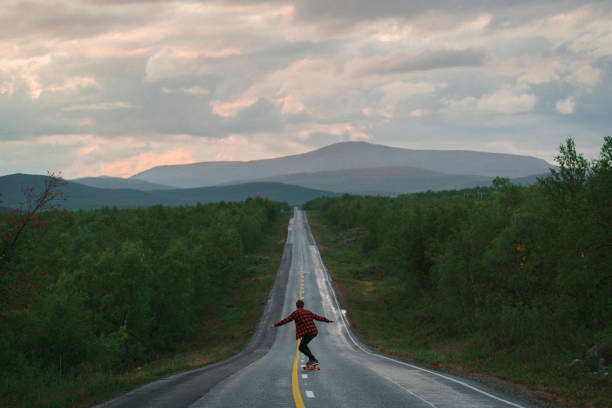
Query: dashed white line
[(304, 375), (309, 394), (414, 394)]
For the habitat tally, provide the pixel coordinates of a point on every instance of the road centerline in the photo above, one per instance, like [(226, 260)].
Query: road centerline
[(297, 396), (295, 386)]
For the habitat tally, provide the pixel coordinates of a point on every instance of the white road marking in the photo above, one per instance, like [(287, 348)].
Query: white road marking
[(304, 375), (309, 394), (414, 394)]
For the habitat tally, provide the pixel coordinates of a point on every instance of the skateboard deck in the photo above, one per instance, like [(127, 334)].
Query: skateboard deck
[(311, 368)]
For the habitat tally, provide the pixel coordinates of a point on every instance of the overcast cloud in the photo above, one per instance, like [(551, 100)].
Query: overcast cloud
[(99, 87)]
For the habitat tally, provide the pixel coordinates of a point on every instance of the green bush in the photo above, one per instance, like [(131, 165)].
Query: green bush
[(110, 289)]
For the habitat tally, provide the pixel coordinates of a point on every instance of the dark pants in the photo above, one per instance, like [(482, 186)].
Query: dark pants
[(304, 345)]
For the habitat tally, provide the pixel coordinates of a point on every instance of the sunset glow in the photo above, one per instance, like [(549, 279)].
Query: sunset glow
[(152, 83)]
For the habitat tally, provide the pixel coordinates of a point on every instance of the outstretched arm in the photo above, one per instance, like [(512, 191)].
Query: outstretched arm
[(321, 318), (284, 321)]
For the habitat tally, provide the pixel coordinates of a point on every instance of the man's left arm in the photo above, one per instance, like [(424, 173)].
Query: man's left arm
[(321, 318)]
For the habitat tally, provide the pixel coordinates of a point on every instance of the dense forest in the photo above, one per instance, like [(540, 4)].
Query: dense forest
[(509, 267), (107, 290)]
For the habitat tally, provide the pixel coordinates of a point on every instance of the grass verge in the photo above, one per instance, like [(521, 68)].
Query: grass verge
[(406, 334)]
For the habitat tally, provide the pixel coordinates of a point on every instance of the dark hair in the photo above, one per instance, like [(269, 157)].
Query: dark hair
[(299, 303)]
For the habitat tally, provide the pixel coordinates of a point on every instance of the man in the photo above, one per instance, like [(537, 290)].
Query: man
[(304, 328)]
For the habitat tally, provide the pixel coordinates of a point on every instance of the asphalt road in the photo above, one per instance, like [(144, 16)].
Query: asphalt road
[(267, 373)]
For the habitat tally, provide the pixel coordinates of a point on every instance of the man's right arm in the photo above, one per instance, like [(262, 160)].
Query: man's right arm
[(284, 321)]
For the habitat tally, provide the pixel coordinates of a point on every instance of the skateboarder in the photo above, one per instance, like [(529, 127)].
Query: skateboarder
[(304, 328)]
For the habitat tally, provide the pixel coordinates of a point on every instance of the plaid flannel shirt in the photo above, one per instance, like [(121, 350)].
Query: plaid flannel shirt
[(304, 323)]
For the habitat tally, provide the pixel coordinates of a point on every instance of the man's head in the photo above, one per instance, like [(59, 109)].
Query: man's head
[(299, 304)]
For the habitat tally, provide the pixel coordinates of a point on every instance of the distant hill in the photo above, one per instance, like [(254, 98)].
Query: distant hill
[(381, 181), (81, 197), (389, 181), (118, 182), (529, 180), (345, 156)]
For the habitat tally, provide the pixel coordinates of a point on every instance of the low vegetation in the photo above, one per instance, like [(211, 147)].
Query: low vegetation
[(95, 302), (509, 281)]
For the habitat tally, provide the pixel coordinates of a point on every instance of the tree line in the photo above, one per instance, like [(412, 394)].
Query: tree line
[(522, 264), (108, 289)]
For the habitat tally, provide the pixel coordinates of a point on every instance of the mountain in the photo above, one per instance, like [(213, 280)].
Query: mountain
[(345, 156), (118, 182), (381, 181), (529, 180), (81, 197)]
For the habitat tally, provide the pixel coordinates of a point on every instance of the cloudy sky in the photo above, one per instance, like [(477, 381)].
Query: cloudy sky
[(113, 87)]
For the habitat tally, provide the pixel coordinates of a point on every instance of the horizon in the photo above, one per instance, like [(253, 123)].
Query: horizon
[(272, 158), (91, 88)]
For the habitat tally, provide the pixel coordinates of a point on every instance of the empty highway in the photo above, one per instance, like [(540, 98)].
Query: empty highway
[(267, 373)]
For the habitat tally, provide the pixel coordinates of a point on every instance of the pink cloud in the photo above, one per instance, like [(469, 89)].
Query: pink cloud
[(102, 50), (223, 156), (191, 53), (228, 109), (144, 161), (72, 84), (99, 106), (290, 105), (336, 129), (9, 50)]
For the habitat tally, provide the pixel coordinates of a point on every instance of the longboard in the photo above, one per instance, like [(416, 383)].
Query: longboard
[(311, 368)]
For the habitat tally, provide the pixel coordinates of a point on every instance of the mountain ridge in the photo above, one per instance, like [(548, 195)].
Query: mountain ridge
[(391, 181), (119, 182), (82, 197), (345, 156)]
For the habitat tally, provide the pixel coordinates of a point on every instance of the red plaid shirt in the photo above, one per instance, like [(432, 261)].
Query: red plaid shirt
[(303, 322)]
